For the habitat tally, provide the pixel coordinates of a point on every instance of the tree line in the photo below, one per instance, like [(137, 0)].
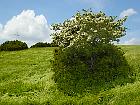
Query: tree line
[(19, 45)]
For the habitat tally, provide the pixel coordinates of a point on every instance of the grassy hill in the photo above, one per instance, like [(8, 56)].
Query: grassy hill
[(25, 79)]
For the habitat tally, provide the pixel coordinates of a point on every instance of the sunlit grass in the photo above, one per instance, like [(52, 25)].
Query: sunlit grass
[(26, 79)]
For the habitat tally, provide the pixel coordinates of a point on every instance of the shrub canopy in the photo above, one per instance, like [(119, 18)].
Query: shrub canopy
[(87, 26)]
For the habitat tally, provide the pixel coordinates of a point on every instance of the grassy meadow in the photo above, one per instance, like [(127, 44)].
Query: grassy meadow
[(26, 79)]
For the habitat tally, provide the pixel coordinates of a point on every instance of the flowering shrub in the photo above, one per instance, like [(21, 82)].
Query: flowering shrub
[(86, 52), (88, 26)]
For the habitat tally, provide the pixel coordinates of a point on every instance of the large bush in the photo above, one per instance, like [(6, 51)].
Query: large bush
[(87, 56), (13, 46)]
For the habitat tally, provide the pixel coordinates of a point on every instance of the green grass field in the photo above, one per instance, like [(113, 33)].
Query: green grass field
[(25, 79)]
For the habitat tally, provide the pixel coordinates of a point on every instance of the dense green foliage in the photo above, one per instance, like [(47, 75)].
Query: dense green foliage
[(41, 44), (25, 79), (74, 68), (13, 46), (87, 54)]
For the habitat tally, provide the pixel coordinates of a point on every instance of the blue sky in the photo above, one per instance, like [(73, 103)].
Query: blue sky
[(16, 15)]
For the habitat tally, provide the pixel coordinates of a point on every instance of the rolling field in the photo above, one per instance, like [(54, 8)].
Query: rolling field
[(26, 79)]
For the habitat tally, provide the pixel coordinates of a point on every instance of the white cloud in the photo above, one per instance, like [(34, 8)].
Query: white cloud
[(132, 41), (32, 28), (1, 27), (128, 12)]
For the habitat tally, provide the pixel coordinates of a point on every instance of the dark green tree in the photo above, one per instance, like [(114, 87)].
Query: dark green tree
[(13, 46)]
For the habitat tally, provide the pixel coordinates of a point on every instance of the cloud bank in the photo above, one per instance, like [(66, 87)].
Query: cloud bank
[(27, 27), (128, 12)]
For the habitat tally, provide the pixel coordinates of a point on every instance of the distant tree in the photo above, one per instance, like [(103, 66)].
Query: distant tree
[(41, 44), (13, 46)]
